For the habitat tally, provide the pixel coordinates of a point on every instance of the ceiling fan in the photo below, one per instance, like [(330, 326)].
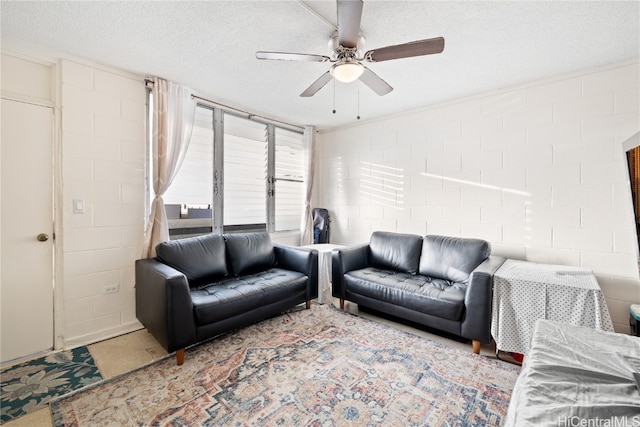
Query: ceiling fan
[(348, 64)]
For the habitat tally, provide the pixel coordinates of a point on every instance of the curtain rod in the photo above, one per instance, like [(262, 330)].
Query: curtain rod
[(249, 115), (149, 84)]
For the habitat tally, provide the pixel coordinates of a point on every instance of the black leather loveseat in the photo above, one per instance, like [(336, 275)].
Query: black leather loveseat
[(440, 282), (200, 287)]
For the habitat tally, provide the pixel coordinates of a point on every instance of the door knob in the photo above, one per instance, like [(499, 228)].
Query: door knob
[(42, 237)]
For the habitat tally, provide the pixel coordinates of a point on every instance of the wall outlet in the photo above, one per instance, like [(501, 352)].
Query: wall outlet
[(111, 289)]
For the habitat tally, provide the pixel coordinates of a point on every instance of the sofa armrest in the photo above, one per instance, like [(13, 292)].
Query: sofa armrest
[(302, 260), (163, 304), (345, 260), (478, 300)]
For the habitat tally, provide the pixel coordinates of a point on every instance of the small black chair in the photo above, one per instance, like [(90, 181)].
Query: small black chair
[(320, 225)]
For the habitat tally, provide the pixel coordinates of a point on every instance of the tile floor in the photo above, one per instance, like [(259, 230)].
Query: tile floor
[(126, 352)]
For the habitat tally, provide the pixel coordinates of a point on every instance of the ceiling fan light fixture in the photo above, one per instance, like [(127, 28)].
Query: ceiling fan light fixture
[(347, 72)]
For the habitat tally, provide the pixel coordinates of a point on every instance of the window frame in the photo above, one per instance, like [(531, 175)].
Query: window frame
[(218, 185)]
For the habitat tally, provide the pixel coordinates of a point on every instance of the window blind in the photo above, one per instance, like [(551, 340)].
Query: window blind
[(289, 179), (245, 172)]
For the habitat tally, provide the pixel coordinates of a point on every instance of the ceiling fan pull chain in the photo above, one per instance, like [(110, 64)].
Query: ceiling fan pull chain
[(358, 116), (334, 96)]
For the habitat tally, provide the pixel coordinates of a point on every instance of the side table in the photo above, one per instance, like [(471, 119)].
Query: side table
[(524, 292), (324, 270)]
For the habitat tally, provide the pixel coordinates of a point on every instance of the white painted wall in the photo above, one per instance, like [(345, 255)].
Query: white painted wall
[(103, 163), (535, 170), (26, 79)]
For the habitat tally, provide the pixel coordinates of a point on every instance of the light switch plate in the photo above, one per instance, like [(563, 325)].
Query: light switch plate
[(78, 206)]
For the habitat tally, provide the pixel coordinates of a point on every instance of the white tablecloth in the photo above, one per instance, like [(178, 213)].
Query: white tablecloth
[(525, 292), (324, 270), (574, 376)]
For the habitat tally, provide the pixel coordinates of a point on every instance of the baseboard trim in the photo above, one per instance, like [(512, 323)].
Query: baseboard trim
[(102, 335)]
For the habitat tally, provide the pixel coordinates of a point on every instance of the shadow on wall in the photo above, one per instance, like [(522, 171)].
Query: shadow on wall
[(382, 185)]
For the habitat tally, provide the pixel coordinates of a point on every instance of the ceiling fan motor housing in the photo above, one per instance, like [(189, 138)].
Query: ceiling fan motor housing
[(340, 52)]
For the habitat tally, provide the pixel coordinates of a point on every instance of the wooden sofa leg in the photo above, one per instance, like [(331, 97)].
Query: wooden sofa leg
[(180, 356), (308, 304), (476, 346), (341, 304)]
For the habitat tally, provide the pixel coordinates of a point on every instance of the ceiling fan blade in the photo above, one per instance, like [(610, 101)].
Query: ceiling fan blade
[(317, 85), (406, 50), (287, 56), (349, 16), (374, 82)]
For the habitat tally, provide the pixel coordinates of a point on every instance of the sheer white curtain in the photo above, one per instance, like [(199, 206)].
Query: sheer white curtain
[(172, 119), (309, 141)]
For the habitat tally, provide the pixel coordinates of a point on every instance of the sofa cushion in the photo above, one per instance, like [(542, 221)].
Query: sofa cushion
[(235, 296), (201, 258), (395, 251), (452, 258), (437, 297), (250, 252)]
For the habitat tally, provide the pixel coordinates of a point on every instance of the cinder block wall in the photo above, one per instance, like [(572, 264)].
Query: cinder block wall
[(103, 163), (536, 170)]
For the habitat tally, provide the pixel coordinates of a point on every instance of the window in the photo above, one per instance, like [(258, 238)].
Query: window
[(245, 174), (189, 200), (289, 179), (239, 174)]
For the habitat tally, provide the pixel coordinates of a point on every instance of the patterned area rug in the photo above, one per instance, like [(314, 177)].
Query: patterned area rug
[(317, 367), (29, 386)]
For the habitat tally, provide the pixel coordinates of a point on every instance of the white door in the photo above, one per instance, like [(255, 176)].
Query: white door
[(26, 233)]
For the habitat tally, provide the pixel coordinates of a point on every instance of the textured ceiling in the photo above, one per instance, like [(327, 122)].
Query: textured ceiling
[(210, 46)]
